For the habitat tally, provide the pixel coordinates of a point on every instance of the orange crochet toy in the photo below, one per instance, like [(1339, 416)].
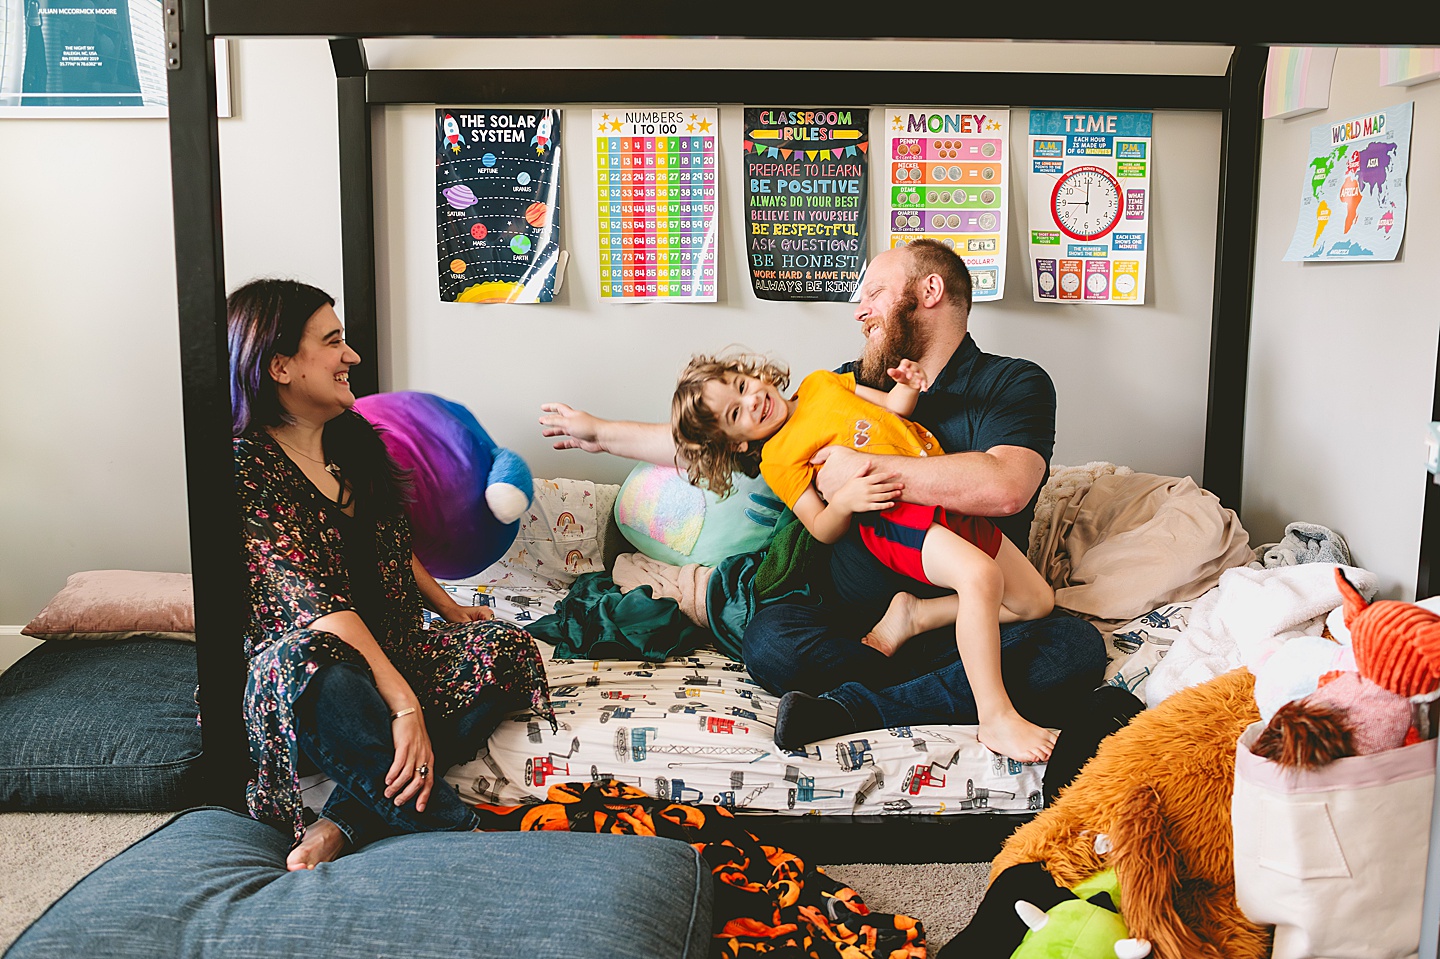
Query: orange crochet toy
[(1397, 645)]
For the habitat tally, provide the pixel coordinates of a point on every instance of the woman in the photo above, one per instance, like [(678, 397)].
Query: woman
[(340, 666)]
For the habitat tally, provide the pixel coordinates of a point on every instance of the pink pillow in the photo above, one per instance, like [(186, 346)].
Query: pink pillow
[(119, 604)]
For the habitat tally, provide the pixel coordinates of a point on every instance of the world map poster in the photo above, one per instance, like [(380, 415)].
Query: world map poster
[(497, 205), (1352, 206)]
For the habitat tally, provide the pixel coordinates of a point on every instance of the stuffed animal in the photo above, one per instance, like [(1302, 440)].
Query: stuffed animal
[(1088, 926), (468, 492), (1160, 789), (1396, 644)]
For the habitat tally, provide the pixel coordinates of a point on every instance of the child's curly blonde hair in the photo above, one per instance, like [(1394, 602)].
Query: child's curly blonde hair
[(710, 456)]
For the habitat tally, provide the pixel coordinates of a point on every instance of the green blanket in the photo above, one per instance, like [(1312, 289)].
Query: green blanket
[(597, 621)]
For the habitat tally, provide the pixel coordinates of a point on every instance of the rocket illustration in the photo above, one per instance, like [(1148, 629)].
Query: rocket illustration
[(452, 133), (542, 136)]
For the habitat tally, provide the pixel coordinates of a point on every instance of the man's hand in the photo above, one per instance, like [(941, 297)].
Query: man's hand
[(840, 464), (908, 373), (576, 429)]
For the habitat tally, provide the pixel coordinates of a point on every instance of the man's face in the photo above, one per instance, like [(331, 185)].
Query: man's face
[(886, 312)]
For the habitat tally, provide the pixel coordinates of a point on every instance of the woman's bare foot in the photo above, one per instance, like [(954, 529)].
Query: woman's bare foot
[(896, 626), (323, 842), (1014, 736)]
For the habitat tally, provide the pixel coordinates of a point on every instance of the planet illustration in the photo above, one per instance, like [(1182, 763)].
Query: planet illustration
[(478, 231), (459, 196), (457, 266), (523, 179), (491, 291), (520, 244), (536, 214), (488, 159)]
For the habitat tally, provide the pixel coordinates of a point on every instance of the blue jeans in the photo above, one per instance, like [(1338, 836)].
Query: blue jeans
[(344, 728), (1047, 664)]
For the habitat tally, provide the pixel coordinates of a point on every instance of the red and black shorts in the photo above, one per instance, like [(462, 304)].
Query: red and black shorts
[(895, 536)]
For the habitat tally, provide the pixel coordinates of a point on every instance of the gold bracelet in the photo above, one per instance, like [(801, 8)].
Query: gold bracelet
[(404, 712)]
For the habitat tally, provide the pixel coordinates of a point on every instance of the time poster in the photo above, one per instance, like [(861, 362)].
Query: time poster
[(497, 205), (948, 183), (1089, 205), (805, 190)]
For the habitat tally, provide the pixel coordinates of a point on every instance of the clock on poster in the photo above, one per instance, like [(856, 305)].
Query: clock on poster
[(1086, 202)]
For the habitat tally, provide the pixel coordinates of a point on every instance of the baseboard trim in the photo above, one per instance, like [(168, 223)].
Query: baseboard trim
[(10, 630)]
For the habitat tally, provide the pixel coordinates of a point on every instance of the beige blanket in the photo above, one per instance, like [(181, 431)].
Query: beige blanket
[(684, 584), (1128, 544)]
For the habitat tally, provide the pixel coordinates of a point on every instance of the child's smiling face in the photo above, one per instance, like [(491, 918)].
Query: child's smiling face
[(747, 408)]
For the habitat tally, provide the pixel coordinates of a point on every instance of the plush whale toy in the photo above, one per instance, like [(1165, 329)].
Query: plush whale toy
[(469, 493)]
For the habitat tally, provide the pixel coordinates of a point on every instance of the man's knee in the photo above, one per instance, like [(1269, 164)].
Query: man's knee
[(780, 648)]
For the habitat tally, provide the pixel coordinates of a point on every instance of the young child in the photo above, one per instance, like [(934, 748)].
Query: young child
[(729, 415)]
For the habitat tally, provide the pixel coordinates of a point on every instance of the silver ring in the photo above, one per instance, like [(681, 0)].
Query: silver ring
[(423, 770)]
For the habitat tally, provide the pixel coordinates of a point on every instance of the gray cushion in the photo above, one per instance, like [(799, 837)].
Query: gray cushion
[(212, 883), (94, 725)]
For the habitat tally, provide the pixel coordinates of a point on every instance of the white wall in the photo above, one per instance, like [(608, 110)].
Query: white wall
[(91, 461), (92, 469), (1342, 355)]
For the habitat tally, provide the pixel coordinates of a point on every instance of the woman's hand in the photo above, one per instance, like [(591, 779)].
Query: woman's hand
[(413, 772), (466, 614)]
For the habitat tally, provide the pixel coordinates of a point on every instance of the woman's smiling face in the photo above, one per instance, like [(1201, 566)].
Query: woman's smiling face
[(315, 382)]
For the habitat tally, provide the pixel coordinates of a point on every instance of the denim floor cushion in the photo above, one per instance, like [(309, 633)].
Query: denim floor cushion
[(100, 725), (212, 883)]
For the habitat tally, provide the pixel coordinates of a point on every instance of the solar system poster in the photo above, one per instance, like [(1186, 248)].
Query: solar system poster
[(656, 177), (948, 183), (1089, 205), (497, 204), (805, 201)]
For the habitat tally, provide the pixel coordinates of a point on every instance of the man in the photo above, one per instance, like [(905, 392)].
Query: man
[(995, 417)]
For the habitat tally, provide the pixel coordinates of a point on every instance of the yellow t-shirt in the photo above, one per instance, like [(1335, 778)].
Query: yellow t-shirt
[(829, 413)]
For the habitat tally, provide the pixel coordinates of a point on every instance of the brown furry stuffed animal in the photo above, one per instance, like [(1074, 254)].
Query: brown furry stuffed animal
[(1160, 790)]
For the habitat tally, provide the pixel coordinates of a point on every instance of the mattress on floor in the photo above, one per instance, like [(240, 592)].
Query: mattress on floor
[(698, 730)]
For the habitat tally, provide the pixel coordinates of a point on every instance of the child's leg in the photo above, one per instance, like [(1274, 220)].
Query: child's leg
[(979, 585), (1027, 595), (909, 616)]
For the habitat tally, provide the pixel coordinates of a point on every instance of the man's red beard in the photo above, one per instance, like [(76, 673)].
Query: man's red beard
[(901, 338)]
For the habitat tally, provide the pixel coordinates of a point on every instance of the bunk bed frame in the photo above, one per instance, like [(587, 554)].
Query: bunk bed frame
[(192, 24)]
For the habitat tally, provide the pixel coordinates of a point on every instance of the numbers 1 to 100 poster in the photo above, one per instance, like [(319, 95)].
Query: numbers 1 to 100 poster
[(655, 185), (948, 183), (1089, 205)]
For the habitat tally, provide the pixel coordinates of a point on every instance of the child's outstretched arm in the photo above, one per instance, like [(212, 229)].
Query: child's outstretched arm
[(864, 493), (910, 382)]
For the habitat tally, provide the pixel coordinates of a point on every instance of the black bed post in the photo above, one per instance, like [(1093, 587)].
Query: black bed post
[(205, 389), (1234, 275), (357, 212), (1427, 580)]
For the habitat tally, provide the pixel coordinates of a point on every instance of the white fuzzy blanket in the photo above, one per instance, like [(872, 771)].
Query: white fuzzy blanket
[(1248, 615)]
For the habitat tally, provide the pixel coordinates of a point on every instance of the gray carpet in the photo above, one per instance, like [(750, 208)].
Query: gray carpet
[(43, 854)]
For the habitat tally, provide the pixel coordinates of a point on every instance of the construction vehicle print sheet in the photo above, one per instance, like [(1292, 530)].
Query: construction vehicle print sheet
[(698, 729)]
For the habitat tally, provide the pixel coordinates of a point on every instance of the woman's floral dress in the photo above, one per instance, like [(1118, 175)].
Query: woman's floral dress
[(297, 573)]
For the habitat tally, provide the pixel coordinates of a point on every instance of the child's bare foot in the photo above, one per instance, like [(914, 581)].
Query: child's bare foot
[(1014, 736), (323, 842), (896, 626)]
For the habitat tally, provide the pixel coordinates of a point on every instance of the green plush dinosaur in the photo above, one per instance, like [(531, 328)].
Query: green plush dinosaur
[(1086, 927)]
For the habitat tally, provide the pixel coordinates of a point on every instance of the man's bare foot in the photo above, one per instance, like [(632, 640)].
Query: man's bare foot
[(1014, 736), (323, 842), (896, 626)]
